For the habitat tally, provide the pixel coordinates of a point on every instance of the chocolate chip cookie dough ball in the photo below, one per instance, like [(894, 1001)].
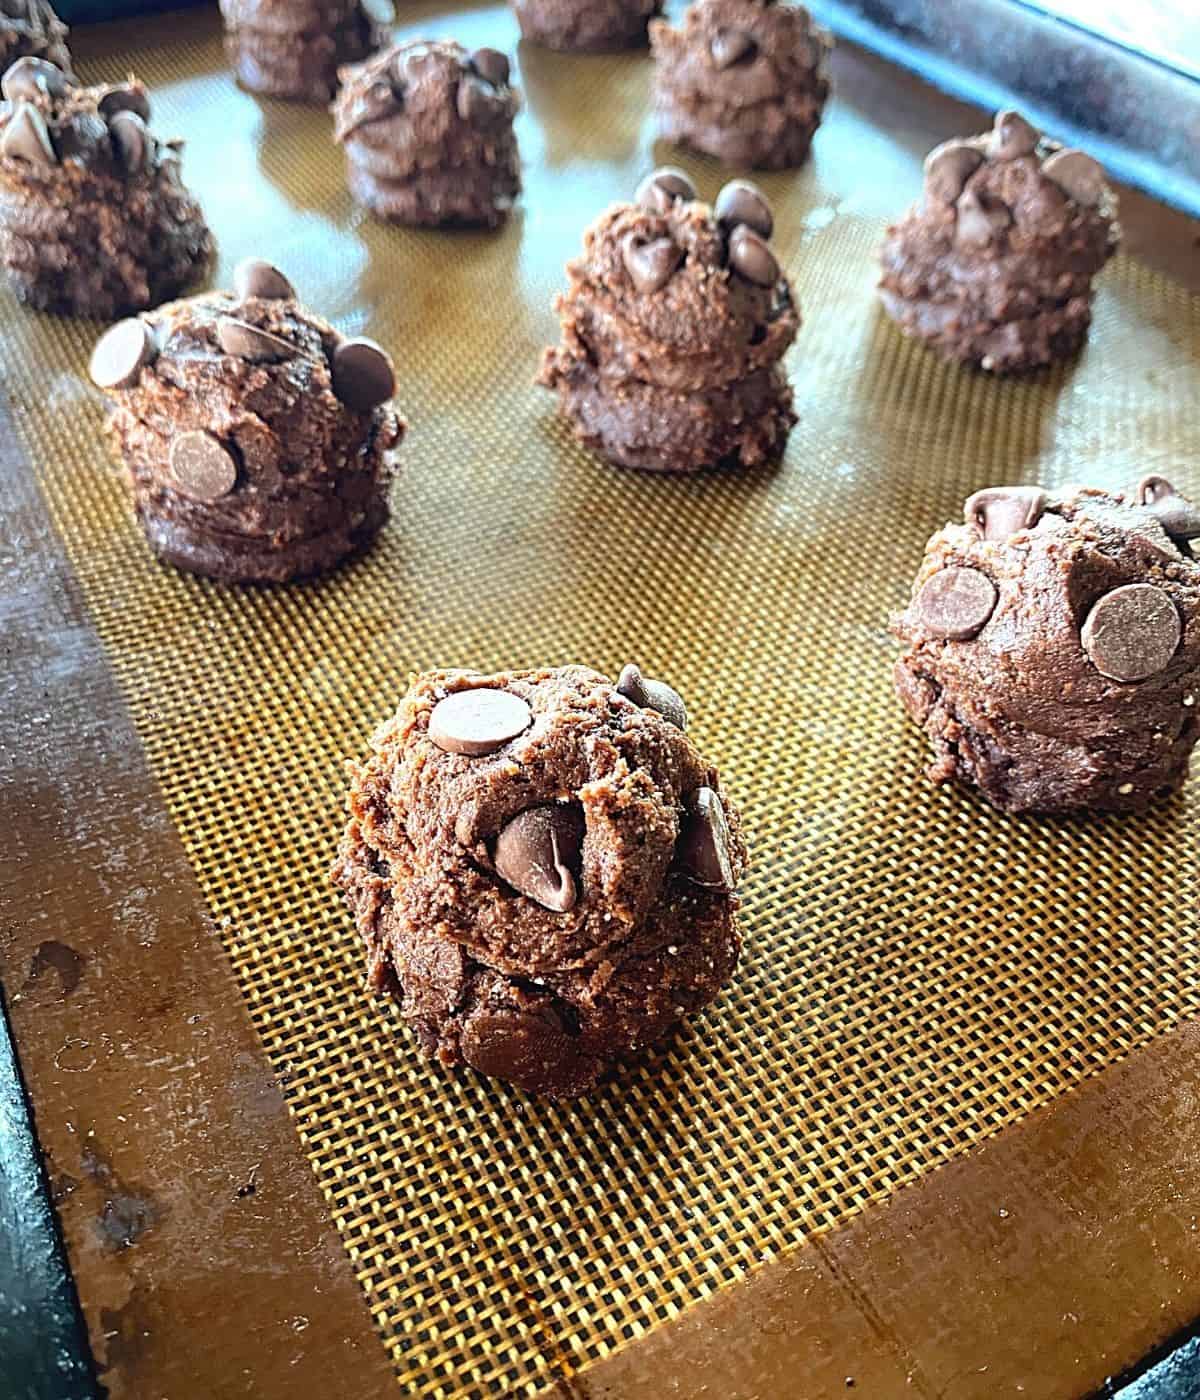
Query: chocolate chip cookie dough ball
[(674, 325), (428, 134), (1053, 647), (31, 29), (294, 48), (258, 441), (742, 80), (994, 265), (586, 26), (543, 869), (94, 218)]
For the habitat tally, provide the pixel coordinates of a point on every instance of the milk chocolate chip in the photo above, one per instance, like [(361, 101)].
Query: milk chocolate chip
[(255, 278), (740, 202), (1175, 513), (131, 141), (1132, 632), (650, 265), (704, 846), (121, 353), (955, 604), (1078, 176), (478, 722), (652, 695), (661, 189), (125, 99), (750, 257), (1012, 137), (999, 512), (30, 78), (948, 167), (539, 852), (27, 137), (491, 65), (201, 466), (731, 46), (248, 342), (363, 376), (980, 221)]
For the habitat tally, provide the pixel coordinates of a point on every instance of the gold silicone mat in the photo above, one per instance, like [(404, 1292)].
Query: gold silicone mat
[(919, 971)]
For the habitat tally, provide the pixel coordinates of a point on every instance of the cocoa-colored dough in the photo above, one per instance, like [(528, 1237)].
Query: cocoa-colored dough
[(294, 48), (681, 377), (31, 27), (428, 134), (490, 977), (742, 80), (586, 26), (995, 268), (1025, 706), (310, 473), (90, 226)]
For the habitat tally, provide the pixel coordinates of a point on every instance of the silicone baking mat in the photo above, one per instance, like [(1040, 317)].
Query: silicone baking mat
[(919, 970)]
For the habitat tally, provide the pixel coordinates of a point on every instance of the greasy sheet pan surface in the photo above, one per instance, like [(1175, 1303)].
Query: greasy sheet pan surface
[(919, 970)]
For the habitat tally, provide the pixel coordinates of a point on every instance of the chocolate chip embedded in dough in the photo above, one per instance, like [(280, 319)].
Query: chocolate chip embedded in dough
[(750, 257), (650, 265), (27, 137), (1132, 632), (1012, 136), (704, 849), (539, 854), (948, 167), (529, 1050), (740, 202), (663, 188), (201, 466), (251, 343), (999, 512), (478, 722), (730, 46), (491, 65), (652, 695), (125, 99), (256, 278), (1077, 175), (363, 376), (132, 141), (955, 604), (121, 353), (978, 221), (476, 100), (30, 78), (1178, 516)]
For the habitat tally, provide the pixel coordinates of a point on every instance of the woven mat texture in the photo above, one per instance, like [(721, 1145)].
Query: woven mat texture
[(919, 970)]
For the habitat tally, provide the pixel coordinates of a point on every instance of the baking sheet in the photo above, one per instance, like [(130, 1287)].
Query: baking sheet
[(919, 970)]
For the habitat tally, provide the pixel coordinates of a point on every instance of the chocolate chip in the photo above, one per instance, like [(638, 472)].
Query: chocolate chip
[(704, 845), (27, 137), (955, 604), (652, 695), (750, 257), (478, 722), (132, 141), (1132, 632), (1178, 516), (948, 167), (538, 853), (363, 376), (730, 46), (650, 264), (30, 78), (375, 104), (249, 342), (529, 1050), (255, 278), (999, 512), (121, 353), (980, 220), (740, 202), (201, 466), (477, 101), (1012, 136), (663, 188), (125, 99), (491, 65), (1078, 176)]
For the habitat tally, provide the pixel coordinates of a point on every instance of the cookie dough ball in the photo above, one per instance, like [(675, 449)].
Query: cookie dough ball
[(257, 440), (1053, 647), (94, 218), (586, 26), (294, 48), (674, 324), (30, 28), (543, 869), (994, 265), (742, 80), (428, 134)]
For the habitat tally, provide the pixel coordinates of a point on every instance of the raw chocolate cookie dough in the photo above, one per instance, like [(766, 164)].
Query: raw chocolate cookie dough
[(258, 441), (994, 265), (586, 26), (30, 28), (294, 48), (543, 869), (1054, 647), (94, 220), (674, 325), (742, 80), (428, 133)]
